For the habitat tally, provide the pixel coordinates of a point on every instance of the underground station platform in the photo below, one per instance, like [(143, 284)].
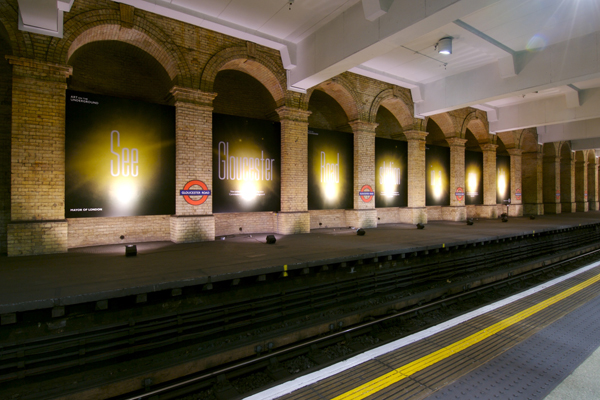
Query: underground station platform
[(100, 273), (52, 303)]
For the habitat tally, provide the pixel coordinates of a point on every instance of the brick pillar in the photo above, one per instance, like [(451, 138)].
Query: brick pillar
[(5, 138), (193, 127), (516, 204), (294, 217), (567, 184), (532, 171), (593, 185), (38, 224), (581, 186), (416, 177), (552, 185), (364, 214), (458, 211), (489, 208)]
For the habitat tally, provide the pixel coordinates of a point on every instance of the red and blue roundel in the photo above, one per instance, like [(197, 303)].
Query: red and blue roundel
[(366, 193), (460, 194), (186, 192)]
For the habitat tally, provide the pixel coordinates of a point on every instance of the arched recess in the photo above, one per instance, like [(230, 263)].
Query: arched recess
[(241, 94), (551, 149), (388, 125), (119, 69), (130, 36), (398, 106), (581, 155), (445, 123), (529, 141), (511, 139), (341, 91), (20, 41), (435, 134), (591, 156), (476, 122), (257, 65)]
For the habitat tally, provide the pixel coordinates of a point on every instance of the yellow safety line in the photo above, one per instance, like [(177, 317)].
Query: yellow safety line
[(405, 371)]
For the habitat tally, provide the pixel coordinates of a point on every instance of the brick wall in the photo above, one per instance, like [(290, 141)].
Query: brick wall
[(30, 238), (593, 184), (327, 219), (5, 128), (581, 186), (551, 168), (532, 178), (294, 216), (98, 231), (148, 57), (37, 157), (567, 181), (388, 215), (256, 222), (416, 175)]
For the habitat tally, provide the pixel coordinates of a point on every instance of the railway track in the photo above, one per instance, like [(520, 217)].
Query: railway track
[(269, 369), (277, 307)]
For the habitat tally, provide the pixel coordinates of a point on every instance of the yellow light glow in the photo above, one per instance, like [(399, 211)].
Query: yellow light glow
[(436, 184), (389, 185), (502, 182), (124, 193), (472, 182), (248, 191), (331, 191)]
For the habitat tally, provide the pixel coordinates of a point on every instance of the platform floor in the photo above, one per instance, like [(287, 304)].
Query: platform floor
[(521, 347), (103, 272)]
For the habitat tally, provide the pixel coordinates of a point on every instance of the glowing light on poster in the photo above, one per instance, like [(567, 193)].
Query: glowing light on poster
[(119, 157), (502, 178), (390, 173), (474, 177), (330, 174), (437, 175), (246, 164)]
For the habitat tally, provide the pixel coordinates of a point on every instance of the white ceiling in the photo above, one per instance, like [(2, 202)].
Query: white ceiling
[(528, 63)]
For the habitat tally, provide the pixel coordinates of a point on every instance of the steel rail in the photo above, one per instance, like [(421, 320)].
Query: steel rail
[(361, 326), (171, 329)]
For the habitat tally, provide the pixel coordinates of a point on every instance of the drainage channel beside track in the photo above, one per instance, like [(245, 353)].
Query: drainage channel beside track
[(236, 320)]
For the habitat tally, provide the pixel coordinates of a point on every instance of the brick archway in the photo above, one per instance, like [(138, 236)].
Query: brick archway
[(256, 65), (342, 93), (398, 106), (130, 36), (446, 124), (476, 121)]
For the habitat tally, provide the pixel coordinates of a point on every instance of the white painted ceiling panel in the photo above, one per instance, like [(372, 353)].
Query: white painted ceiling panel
[(515, 22), (208, 7), (483, 50)]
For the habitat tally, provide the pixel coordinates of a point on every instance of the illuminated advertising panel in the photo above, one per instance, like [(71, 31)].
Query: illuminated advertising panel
[(502, 178), (437, 175), (391, 173), (473, 178), (119, 157), (246, 164), (330, 170)]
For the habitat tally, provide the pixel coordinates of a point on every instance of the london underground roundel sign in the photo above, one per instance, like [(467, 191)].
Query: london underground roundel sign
[(187, 192), (366, 193), (460, 194)]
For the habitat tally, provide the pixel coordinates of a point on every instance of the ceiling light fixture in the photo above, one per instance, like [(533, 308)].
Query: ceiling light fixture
[(444, 46)]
